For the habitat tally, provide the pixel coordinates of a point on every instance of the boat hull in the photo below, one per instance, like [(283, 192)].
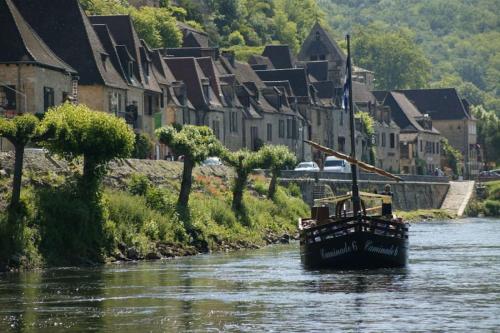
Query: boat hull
[(357, 249)]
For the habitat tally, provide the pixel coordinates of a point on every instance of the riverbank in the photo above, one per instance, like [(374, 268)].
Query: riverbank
[(426, 215), (486, 202), (136, 217)]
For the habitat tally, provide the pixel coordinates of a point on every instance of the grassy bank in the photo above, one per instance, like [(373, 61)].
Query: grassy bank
[(486, 203), (139, 220), (426, 215)]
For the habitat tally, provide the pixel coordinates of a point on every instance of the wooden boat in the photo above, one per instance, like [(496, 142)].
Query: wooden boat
[(355, 239)]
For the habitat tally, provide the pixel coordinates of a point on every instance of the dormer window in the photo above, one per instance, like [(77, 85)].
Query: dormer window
[(104, 57), (145, 65), (130, 69), (318, 35)]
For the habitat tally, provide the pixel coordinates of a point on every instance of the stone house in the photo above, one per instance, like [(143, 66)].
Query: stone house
[(386, 137), (144, 91), (32, 77), (68, 32), (420, 142), (268, 115), (320, 46), (452, 118)]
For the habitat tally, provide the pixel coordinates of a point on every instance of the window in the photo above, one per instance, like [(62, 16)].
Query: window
[(433, 148), (215, 127), (48, 98), (421, 146), (233, 122), (281, 133), (322, 57), (289, 128), (295, 130), (269, 132), (341, 118), (383, 139), (318, 116), (437, 148), (162, 98), (392, 140), (130, 69), (314, 58), (254, 137), (341, 141)]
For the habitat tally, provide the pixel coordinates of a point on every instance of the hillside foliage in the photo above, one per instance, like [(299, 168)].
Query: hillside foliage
[(460, 38)]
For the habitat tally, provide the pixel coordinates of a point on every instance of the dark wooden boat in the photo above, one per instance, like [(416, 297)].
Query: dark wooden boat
[(361, 241), (352, 239)]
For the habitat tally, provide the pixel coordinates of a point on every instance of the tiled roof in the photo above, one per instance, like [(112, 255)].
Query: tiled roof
[(405, 113), (311, 45), (296, 77), (318, 69), (440, 104), (123, 32), (210, 71), (279, 55), (360, 93), (20, 43), (260, 61), (188, 71), (110, 46), (64, 27)]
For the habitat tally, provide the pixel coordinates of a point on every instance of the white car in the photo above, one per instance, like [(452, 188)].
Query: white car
[(333, 164), (307, 166)]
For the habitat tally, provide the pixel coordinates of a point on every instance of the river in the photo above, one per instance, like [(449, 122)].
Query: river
[(451, 284)]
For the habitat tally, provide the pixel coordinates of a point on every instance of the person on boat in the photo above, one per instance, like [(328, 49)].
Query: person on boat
[(387, 202)]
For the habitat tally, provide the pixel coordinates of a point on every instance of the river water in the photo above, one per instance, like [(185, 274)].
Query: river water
[(451, 284)]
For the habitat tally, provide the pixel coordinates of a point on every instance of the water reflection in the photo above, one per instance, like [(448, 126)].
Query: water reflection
[(450, 285)]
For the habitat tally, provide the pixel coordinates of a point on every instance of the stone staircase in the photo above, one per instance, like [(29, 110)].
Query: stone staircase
[(458, 197)]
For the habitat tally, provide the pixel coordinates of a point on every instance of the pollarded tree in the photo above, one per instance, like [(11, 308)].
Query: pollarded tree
[(78, 131), (19, 131), (276, 158), (195, 143), (243, 162)]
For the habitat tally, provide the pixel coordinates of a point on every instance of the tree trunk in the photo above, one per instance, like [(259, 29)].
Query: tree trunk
[(89, 178), (187, 181), (18, 174), (272, 185), (239, 186)]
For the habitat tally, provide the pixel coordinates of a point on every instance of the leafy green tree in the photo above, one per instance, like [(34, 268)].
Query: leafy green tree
[(195, 143), (453, 157), (157, 26), (236, 38), (394, 57), (276, 158), (96, 136), (488, 133), (19, 131), (142, 146), (243, 162)]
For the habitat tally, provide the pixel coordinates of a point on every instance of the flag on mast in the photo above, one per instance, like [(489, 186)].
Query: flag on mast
[(345, 97)]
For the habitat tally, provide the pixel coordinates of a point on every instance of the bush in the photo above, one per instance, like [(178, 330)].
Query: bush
[(138, 184), (492, 208), (294, 190)]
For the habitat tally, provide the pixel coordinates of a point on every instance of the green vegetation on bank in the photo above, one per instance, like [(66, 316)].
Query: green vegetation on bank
[(486, 203), (73, 219), (425, 215), (60, 228)]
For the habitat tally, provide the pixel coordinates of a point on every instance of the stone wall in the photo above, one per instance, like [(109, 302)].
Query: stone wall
[(408, 195)]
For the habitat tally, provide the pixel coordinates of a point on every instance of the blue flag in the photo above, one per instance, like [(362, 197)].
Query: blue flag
[(345, 97)]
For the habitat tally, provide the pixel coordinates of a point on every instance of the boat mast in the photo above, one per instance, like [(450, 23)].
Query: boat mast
[(354, 168)]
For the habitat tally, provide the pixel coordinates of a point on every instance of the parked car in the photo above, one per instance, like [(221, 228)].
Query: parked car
[(212, 161), (334, 164), (307, 166)]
